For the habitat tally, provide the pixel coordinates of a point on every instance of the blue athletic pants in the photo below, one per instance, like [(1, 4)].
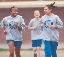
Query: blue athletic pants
[(50, 48)]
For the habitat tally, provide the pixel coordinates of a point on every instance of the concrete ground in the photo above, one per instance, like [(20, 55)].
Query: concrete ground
[(26, 53)]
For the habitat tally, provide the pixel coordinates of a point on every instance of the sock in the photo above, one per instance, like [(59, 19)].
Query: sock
[(35, 54)]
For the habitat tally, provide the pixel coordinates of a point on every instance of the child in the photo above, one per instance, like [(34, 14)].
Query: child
[(51, 23), (36, 33), (12, 27)]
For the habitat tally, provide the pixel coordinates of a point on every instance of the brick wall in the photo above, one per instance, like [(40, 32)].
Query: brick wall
[(27, 14)]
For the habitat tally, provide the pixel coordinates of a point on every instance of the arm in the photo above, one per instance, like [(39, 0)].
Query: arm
[(16, 25), (32, 28), (20, 26), (53, 26), (4, 31), (42, 25), (3, 26), (59, 24)]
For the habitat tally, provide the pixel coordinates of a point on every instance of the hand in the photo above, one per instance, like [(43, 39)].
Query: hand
[(52, 26), (42, 25), (5, 32), (15, 24), (34, 27)]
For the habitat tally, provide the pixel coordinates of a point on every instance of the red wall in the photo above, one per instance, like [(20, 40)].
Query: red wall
[(27, 14)]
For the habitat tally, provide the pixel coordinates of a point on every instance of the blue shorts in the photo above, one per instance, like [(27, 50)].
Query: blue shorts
[(36, 43), (16, 43)]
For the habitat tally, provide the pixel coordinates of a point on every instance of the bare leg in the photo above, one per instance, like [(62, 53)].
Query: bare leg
[(11, 49), (35, 51), (38, 51), (17, 51)]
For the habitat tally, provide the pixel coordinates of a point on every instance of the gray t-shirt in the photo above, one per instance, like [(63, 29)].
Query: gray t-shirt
[(13, 33), (51, 34), (36, 33)]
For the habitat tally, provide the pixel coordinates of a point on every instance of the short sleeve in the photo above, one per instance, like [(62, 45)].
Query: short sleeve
[(22, 23)]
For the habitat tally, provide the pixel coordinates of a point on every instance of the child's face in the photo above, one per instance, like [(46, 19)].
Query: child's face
[(36, 14), (47, 11), (14, 12)]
